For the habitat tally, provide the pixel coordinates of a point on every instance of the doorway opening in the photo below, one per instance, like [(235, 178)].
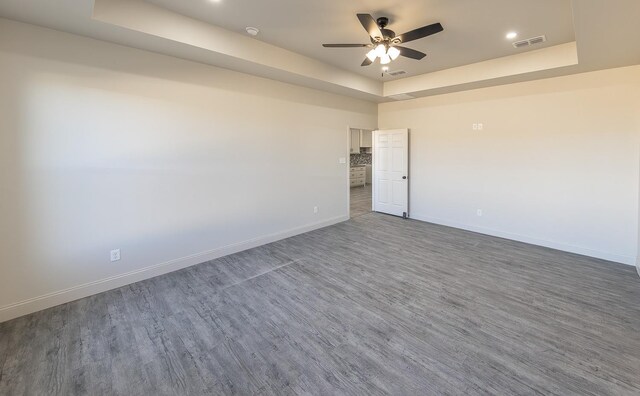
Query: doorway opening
[(360, 172)]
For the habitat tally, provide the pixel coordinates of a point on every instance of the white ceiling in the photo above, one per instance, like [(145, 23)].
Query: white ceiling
[(474, 30), (472, 52)]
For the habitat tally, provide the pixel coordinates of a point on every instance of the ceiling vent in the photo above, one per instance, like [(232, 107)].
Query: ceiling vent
[(396, 72), (530, 42)]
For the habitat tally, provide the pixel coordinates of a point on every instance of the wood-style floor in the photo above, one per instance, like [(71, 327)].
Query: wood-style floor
[(360, 200), (375, 305)]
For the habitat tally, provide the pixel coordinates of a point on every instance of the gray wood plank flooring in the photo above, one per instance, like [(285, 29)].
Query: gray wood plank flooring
[(376, 305), (360, 200)]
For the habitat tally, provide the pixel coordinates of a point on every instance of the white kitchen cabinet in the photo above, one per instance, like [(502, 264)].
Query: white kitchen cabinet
[(366, 138), (355, 141), (357, 176)]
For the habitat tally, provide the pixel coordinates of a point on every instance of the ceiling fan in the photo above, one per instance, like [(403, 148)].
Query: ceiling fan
[(385, 43)]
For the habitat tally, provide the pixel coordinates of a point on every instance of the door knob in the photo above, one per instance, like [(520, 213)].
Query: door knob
[(404, 177)]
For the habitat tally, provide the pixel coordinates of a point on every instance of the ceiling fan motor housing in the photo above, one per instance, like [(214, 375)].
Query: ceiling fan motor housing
[(386, 33)]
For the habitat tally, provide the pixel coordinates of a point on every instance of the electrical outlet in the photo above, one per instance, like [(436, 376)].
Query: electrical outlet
[(479, 212), (477, 126), (315, 209), (115, 255), (480, 126)]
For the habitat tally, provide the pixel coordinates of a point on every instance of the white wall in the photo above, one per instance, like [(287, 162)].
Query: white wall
[(174, 162), (556, 163)]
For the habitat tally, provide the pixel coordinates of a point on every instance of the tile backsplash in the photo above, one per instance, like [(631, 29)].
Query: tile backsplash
[(360, 159)]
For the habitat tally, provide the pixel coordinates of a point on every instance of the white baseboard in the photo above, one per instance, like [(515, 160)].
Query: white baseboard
[(531, 240), (49, 300)]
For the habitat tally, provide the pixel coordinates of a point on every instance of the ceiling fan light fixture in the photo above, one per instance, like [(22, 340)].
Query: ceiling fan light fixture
[(372, 55), (381, 50), (393, 53), (385, 59)]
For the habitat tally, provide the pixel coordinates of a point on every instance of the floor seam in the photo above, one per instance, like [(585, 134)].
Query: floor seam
[(260, 274)]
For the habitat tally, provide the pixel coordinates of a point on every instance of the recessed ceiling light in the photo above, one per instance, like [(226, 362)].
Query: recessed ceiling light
[(252, 31), (512, 35)]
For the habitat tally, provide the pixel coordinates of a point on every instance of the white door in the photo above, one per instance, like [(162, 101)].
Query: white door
[(390, 172)]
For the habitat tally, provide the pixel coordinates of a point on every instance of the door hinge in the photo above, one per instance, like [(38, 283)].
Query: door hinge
[(404, 215)]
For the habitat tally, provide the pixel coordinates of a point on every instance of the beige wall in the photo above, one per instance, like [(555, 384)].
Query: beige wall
[(556, 163), (173, 162)]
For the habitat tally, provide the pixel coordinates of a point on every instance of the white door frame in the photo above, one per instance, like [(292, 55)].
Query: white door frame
[(348, 171), (373, 170)]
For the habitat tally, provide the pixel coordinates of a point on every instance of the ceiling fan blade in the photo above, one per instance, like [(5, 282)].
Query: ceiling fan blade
[(369, 24), (410, 53), (345, 45), (366, 62), (421, 32)]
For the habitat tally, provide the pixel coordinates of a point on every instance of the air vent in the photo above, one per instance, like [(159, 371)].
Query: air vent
[(537, 40), (520, 44), (529, 42), (396, 72)]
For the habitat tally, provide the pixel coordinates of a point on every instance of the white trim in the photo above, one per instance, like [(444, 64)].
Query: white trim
[(49, 300), (373, 170), (531, 240), (348, 170)]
